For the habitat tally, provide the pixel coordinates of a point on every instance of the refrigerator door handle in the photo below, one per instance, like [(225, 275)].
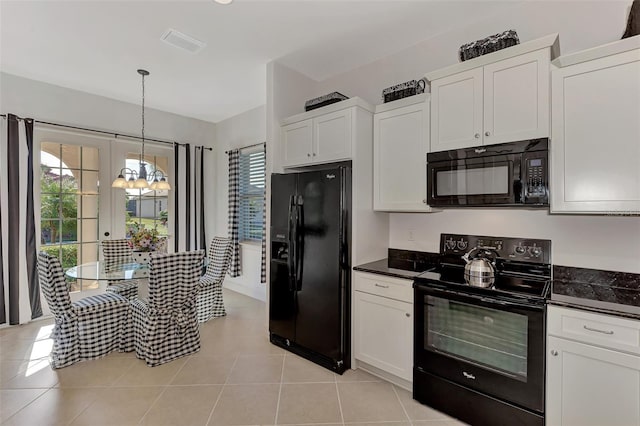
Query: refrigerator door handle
[(299, 242), (291, 260)]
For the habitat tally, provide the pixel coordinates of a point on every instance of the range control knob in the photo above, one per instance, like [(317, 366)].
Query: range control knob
[(535, 251), (520, 250), (450, 244), (462, 245)]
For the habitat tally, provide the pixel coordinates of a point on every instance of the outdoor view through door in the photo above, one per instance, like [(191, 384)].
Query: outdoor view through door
[(146, 208), (69, 189)]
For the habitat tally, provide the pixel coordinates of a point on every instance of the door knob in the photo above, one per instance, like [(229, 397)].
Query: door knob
[(487, 133), (106, 234), (554, 352), (477, 135), (308, 155), (407, 315), (314, 154), (424, 201)]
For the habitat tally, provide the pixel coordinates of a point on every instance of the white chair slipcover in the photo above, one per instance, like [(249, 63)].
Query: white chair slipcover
[(210, 301), (166, 324), (87, 329)]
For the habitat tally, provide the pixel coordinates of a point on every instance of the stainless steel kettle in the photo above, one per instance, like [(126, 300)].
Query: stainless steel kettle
[(480, 268)]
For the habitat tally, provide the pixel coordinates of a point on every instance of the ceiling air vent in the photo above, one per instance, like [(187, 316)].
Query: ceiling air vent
[(182, 41)]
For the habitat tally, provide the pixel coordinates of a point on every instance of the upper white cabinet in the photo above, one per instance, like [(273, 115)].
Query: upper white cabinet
[(496, 98), (595, 151), (593, 369), (400, 147), (321, 136)]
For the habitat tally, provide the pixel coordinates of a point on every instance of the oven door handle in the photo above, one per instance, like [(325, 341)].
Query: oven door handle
[(460, 295)]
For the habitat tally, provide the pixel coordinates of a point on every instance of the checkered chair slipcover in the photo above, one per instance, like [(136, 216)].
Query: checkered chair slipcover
[(115, 252), (166, 324), (210, 302), (87, 329)]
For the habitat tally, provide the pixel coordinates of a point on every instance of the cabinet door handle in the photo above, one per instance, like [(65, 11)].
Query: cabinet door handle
[(598, 331), (407, 315), (381, 286), (487, 133), (477, 136), (554, 352), (314, 154), (424, 201)]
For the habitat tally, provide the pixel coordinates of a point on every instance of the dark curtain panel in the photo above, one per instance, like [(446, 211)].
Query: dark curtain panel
[(176, 197), (200, 178), (16, 219), (187, 189), (31, 255), (234, 210), (3, 314)]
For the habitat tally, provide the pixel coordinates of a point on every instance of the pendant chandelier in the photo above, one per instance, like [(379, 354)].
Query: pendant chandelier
[(140, 179)]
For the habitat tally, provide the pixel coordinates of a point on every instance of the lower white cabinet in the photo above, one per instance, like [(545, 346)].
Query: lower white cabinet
[(589, 385), (383, 332)]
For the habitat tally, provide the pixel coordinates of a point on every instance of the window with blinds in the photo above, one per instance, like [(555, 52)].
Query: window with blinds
[(252, 186)]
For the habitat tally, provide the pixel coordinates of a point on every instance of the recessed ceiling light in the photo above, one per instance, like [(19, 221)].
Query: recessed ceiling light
[(223, 1)]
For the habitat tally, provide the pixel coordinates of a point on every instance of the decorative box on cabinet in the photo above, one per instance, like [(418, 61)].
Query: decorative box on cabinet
[(495, 98), (595, 149), (400, 147), (383, 323), (593, 369), (323, 135)]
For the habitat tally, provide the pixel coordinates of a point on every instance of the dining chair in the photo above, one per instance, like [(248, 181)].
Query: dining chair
[(166, 323), (87, 329), (115, 252), (210, 300)]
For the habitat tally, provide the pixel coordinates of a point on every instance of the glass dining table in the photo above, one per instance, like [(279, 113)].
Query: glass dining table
[(97, 271)]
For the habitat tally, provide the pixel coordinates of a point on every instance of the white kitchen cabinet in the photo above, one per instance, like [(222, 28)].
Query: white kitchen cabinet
[(323, 135), (456, 111), (595, 149), (495, 98), (400, 147), (383, 326), (297, 142), (590, 384)]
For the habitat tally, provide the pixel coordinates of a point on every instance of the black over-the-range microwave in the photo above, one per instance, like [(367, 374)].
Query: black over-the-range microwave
[(514, 174)]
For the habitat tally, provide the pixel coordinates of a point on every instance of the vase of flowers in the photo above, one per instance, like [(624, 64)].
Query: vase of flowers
[(143, 241)]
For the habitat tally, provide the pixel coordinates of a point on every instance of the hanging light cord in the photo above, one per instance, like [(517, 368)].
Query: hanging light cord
[(142, 156)]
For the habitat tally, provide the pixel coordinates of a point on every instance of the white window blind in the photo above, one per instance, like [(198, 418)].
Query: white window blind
[(252, 183)]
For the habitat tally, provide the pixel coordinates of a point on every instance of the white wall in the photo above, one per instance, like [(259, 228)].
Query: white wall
[(236, 132), (604, 242)]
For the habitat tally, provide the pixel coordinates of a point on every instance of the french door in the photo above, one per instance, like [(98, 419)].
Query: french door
[(73, 193)]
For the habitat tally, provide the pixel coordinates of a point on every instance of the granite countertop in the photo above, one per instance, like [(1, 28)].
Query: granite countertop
[(608, 292), (382, 267)]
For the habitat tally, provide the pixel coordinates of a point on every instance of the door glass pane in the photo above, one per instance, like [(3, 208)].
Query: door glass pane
[(478, 181), (69, 205), (483, 336)]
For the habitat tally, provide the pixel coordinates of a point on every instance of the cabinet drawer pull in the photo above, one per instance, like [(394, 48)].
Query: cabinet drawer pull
[(598, 331), (381, 286)]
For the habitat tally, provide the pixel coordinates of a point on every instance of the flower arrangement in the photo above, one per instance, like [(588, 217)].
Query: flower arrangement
[(141, 238)]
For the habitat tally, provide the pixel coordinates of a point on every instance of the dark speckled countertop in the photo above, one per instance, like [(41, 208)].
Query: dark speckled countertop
[(382, 267), (602, 291), (401, 264)]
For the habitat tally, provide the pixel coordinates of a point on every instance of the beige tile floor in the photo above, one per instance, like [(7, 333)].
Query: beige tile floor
[(237, 378)]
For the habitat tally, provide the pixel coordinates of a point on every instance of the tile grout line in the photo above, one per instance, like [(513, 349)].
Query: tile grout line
[(339, 402), (280, 389), (402, 405), (28, 404), (164, 389), (222, 390)]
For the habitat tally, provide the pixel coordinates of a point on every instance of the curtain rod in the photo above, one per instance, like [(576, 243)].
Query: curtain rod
[(247, 147), (105, 132)]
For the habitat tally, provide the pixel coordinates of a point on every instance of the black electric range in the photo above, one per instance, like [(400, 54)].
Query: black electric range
[(479, 352)]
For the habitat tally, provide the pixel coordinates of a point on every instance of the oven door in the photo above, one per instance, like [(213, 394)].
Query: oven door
[(492, 346), (485, 181)]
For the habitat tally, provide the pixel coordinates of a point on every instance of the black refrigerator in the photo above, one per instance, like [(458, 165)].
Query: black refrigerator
[(309, 283)]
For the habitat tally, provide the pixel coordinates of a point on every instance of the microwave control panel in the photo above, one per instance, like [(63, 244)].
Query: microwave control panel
[(536, 178)]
